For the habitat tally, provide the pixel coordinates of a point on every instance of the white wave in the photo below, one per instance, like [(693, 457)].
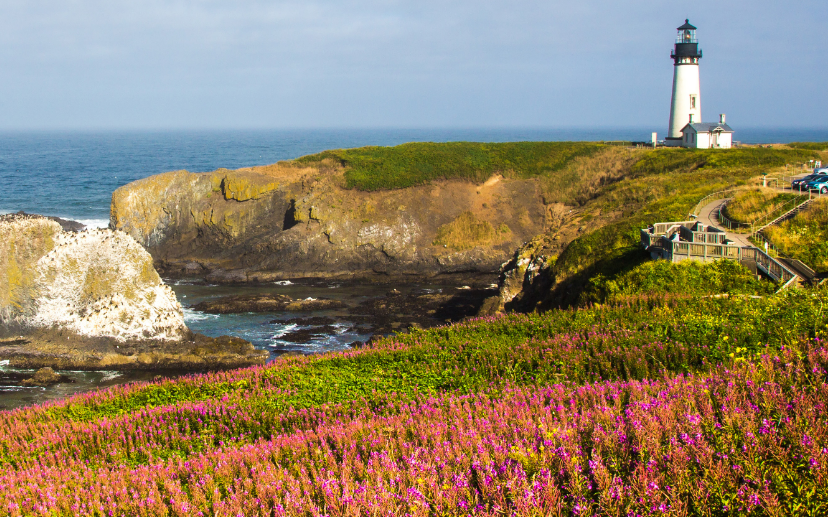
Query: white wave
[(284, 330), (108, 376), (283, 282), (310, 299), (4, 362), (199, 283), (91, 223), (192, 315)]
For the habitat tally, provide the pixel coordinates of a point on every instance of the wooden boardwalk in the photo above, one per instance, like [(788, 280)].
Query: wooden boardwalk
[(709, 216)]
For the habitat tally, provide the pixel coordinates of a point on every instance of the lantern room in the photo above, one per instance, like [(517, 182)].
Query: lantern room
[(686, 50)]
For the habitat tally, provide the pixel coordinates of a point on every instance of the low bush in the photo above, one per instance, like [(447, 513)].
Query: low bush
[(811, 146), (466, 232), (688, 277)]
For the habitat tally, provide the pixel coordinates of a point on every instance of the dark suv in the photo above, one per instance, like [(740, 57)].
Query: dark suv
[(800, 184)]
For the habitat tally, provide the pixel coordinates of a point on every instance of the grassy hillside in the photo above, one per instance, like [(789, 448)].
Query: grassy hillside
[(663, 185), (812, 146), (805, 237), (687, 278), (757, 204), (525, 415)]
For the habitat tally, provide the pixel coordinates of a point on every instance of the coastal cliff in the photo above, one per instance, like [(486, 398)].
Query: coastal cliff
[(292, 220), (92, 299)]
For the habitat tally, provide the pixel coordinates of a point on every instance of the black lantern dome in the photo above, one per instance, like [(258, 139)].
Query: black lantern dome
[(687, 46)]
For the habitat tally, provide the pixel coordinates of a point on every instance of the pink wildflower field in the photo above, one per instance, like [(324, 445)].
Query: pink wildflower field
[(742, 436)]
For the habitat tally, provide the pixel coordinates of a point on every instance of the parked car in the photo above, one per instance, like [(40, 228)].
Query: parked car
[(820, 183), (821, 170), (800, 184)]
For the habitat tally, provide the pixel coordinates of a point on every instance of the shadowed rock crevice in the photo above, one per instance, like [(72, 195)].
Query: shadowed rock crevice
[(290, 217)]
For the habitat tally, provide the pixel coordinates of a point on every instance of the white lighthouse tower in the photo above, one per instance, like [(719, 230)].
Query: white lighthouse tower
[(686, 104)]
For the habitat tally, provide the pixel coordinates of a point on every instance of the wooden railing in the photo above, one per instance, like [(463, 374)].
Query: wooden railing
[(764, 262), (706, 251), (769, 265), (759, 224), (710, 197)]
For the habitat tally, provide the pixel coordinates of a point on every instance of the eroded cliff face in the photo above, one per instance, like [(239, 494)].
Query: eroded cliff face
[(93, 300), (285, 220)]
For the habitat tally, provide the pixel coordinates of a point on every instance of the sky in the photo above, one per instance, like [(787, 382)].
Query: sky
[(210, 64)]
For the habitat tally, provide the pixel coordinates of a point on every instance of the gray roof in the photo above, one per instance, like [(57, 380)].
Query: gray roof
[(707, 127), (686, 26)]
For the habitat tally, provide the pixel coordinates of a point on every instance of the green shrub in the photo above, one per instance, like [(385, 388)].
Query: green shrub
[(811, 146), (466, 232), (689, 277)]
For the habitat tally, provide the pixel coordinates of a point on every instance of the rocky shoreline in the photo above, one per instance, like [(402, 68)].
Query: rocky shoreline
[(397, 309), (64, 350), (265, 303)]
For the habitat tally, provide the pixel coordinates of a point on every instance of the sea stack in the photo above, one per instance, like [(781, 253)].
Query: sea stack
[(93, 300)]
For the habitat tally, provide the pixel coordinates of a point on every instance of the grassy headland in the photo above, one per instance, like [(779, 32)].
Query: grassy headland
[(660, 185), (811, 146), (375, 168)]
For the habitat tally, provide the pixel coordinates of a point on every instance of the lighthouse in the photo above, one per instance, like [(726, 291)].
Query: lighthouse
[(685, 107)]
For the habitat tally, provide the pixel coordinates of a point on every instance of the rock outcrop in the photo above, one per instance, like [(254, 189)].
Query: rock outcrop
[(236, 304), (97, 283), (86, 295), (43, 377), (287, 220)]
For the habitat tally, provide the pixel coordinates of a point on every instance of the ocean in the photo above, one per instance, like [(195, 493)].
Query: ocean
[(73, 174)]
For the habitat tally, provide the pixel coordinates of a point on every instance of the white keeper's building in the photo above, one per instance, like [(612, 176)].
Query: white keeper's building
[(704, 135)]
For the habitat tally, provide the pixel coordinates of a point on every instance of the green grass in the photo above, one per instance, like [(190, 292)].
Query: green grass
[(811, 146), (805, 237), (466, 232), (757, 204), (664, 185), (748, 160), (689, 278), (378, 168), (632, 337)]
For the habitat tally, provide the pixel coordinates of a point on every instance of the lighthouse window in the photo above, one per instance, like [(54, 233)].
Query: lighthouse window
[(692, 102)]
